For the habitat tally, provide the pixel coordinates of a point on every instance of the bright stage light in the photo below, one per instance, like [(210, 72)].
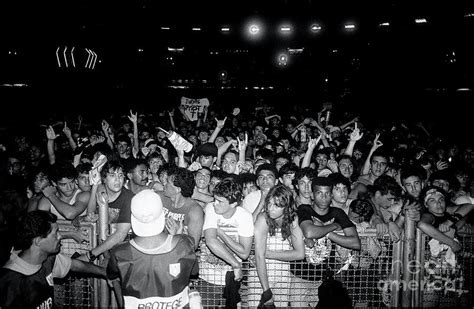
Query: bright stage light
[(254, 30)]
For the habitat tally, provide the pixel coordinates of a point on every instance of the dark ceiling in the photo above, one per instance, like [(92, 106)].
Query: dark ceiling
[(132, 49)]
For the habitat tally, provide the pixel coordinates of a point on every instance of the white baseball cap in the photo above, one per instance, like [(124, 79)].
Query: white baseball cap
[(148, 217)]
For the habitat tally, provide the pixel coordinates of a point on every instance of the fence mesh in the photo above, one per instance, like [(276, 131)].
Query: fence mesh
[(447, 281), (76, 291), (365, 275)]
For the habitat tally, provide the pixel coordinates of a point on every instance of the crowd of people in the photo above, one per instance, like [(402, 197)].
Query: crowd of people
[(190, 199)]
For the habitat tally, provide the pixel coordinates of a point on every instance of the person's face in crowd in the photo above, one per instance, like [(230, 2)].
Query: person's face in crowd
[(51, 244), (202, 178), (35, 153), (322, 196), (304, 187), (378, 166), (247, 167), (206, 160), (114, 180), (139, 175), (40, 182), (413, 186), (273, 210), (155, 164), (257, 130), (260, 140), (346, 168), (276, 133), (463, 179), (279, 148), (287, 180), (14, 166), (163, 177), (220, 140), (126, 127), (123, 148), (355, 217), (274, 121), (340, 193), (280, 162), (289, 128), (160, 135), (357, 154), (21, 143), (193, 139), (266, 180), (83, 182), (436, 204), (213, 183), (385, 201), (468, 155), (144, 135), (248, 188), (235, 122), (322, 160), (170, 190), (223, 207), (66, 186), (229, 163), (203, 136), (286, 143), (442, 183)]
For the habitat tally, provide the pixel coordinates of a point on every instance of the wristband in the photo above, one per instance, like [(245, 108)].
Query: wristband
[(91, 256)]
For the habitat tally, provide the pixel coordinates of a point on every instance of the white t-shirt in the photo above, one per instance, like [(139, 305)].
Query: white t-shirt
[(251, 201), (211, 268)]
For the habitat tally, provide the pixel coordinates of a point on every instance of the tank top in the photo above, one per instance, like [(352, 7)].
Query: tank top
[(53, 209)]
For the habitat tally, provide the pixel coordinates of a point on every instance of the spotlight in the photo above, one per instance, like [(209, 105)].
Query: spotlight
[(285, 29), (282, 59), (225, 29), (349, 27), (254, 30), (315, 28)]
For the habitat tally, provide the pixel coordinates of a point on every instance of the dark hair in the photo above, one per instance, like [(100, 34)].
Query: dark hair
[(183, 179), (33, 224), (113, 166), (363, 208), (246, 178), (133, 163), (283, 199), (304, 172), (62, 170), (337, 178), (386, 184), (84, 167), (230, 189), (288, 168), (380, 152), (412, 170), (267, 167), (219, 174), (154, 155), (266, 154)]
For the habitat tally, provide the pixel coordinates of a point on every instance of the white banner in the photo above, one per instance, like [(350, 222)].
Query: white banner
[(192, 107)]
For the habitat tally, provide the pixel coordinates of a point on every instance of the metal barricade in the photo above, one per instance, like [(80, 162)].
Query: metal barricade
[(370, 276), (443, 283), (77, 291)]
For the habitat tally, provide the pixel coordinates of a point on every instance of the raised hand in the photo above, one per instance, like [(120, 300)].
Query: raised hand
[(441, 165), (105, 126), (355, 135), (243, 143), (376, 143), (313, 142), (67, 131), (50, 134), (221, 123), (133, 117)]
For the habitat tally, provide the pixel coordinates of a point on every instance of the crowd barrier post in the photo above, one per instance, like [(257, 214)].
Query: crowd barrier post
[(409, 257), (103, 234)]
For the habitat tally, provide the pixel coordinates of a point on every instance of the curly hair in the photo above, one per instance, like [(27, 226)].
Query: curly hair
[(33, 224), (230, 189), (283, 198), (183, 179), (63, 169)]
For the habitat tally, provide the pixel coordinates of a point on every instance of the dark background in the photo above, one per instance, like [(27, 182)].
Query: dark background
[(404, 71)]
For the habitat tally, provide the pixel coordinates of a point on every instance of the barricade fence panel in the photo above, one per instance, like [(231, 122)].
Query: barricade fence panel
[(76, 291), (365, 275), (447, 278)]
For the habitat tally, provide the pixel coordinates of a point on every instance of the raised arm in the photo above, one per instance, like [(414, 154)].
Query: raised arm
[(51, 135), (376, 144), (219, 126), (309, 152), (68, 134), (353, 138), (134, 119), (107, 132), (171, 114)]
